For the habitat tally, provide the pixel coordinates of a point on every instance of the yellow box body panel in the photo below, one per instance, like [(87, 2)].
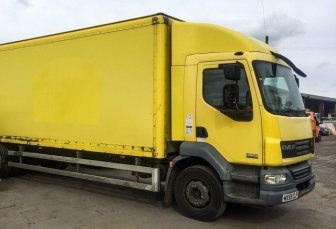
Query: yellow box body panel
[(102, 89)]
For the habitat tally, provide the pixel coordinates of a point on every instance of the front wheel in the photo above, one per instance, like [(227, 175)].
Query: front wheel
[(199, 194)]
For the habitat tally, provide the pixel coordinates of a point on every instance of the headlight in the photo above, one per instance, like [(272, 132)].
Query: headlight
[(275, 179)]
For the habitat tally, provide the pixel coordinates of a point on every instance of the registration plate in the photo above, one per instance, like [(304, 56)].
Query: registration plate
[(290, 196)]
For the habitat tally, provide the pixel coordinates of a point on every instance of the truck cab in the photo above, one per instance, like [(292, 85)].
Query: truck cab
[(236, 105)]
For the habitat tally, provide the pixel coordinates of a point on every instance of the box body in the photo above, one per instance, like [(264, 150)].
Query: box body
[(101, 89)]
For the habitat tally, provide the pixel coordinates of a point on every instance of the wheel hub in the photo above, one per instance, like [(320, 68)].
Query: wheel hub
[(197, 194)]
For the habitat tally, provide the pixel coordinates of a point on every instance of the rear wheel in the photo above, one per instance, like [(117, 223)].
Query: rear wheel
[(199, 194), (5, 170)]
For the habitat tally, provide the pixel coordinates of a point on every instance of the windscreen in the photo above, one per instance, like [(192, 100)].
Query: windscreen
[(279, 90)]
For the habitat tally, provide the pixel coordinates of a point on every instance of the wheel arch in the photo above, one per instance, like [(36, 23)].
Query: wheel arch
[(195, 153)]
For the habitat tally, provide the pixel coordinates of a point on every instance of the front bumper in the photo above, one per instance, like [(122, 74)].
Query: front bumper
[(299, 179), (275, 197)]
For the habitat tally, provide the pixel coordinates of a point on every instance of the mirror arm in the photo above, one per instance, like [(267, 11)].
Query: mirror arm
[(297, 81)]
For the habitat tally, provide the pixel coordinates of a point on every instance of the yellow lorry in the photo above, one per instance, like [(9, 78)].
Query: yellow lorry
[(205, 114)]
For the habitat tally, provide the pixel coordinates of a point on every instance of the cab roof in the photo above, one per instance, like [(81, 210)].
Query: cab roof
[(196, 38)]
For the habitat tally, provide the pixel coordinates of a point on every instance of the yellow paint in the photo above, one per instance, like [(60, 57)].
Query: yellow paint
[(233, 139), (193, 43), (189, 105), (100, 89), (277, 128), (128, 88), (196, 38), (64, 101), (262, 135), (177, 79)]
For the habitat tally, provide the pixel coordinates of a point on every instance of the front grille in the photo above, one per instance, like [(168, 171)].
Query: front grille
[(297, 148), (300, 171)]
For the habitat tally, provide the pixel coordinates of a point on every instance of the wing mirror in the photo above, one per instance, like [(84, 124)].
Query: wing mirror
[(232, 71)]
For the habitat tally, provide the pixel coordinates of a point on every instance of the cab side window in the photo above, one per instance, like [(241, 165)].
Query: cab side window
[(226, 89)]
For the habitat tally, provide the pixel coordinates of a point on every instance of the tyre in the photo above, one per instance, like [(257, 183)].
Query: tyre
[(5, 170), (199, 194)]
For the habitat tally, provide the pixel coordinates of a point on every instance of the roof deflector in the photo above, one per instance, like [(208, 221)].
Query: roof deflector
[(290, 63)]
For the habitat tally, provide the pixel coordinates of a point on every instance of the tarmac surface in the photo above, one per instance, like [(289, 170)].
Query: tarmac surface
[(37, 200)]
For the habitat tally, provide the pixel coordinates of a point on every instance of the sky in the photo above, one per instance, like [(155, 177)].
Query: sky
[(302, 30)]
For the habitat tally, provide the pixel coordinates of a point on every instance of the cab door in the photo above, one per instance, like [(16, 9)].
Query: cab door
[(227, 111)]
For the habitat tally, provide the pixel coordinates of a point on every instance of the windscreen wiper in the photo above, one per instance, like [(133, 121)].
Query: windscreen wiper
[(292, 112), (290, 63)]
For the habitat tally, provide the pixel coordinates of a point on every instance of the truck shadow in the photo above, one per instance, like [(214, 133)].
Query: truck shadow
[(234, 212), (251, 214), (126, 193)]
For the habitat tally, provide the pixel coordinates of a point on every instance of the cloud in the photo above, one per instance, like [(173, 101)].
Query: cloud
[(25, 3), (279, 27), (323, 64)]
